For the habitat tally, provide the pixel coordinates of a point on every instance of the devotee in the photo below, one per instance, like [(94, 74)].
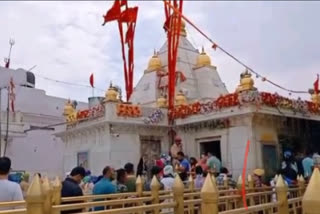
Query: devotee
[(203, 162), (175, 148), (307, 164), (214, 164), (257, 177), (193, 164), (289, 161), (159, 163), (168, 177), (105, 185), (131, 179), (184, 167), (316, 160), (121, 180), (9, 191), (24, 184), (299, 158), (224, 172), (155, 171), (200, 177), (71, 187)]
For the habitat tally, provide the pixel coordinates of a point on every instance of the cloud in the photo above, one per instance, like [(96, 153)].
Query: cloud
[(67, 42)]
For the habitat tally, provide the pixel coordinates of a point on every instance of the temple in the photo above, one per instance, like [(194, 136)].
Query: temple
[(207, 116)]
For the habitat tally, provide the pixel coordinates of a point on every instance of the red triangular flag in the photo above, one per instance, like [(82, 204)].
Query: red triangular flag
[(123, 3), (316, 85), (214, 46), (130, 33), (91, 81), (113, 13), (129, 15)]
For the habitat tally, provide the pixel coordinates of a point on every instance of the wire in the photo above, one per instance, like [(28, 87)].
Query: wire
[(215, 45), (67, 83)]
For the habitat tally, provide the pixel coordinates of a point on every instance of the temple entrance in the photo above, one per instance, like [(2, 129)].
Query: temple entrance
[(212, 146), (270, 160)]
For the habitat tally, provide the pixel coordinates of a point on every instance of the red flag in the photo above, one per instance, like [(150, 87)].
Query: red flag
[(91, 81), (130, 34), (113, 13), (7, 61), (316, 85), (129, 15), (123, 3), (214, 46)]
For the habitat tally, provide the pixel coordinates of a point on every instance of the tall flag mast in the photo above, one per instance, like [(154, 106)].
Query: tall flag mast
[(7, 60)]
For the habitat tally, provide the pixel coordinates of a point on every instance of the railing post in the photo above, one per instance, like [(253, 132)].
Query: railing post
[(301, 184), (191, 187), (139, 186), (155, 187), (56, 197), (178, 190), (239, 188), (251, 189), (47, 189), (282, 191), (311, 198), (35, 197), (209, 196), (225, 181)]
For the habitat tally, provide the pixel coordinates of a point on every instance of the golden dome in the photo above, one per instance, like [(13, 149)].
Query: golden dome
[(183, 31), (181, 99), (203, 59), (68, 108), (246, 82), (111, 94), (161, 102), (154, 62)]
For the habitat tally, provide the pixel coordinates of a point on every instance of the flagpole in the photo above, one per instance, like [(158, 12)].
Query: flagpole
[(7, 130)]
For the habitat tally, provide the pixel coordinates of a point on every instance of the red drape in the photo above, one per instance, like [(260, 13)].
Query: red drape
[(316, 85)]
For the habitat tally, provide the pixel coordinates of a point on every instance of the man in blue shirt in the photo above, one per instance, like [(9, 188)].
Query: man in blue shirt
[(184, 167), (105, 185)]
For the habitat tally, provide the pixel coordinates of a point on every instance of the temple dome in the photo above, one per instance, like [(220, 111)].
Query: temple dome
[(154, 63), (203, 59)]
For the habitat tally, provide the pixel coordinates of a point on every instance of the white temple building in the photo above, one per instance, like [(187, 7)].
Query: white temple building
[(31, 147), (208, 117)]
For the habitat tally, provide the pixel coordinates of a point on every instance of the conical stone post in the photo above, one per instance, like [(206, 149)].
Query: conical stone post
[(225, 181), (178, 190), (35, 197), (139, 186), (239, 188), (209, 196), (311, 198), (282, 190)]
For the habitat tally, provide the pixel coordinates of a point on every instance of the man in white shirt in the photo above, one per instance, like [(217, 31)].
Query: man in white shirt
[(9, 191)]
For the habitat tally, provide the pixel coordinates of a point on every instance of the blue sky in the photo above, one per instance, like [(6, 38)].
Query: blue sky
[(67, 42)]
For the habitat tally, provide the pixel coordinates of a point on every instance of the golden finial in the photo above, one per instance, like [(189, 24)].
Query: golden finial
[(48, 194), (180, 99), (282, 191), (209, 186), (280, 182), (246, 82), (203, 59), (276, 178), (161, 102), (155, 62), (178, 190), (311, 198), (35, 197), (111, 94), (35, 188)]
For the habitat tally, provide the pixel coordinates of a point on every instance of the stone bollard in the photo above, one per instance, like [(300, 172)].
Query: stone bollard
[(155, 187), (311, 198), (35, 197), (178, 190), (282, 190), (47, 189), (301, 185), (56, 197), (209, 196), (191, 187)]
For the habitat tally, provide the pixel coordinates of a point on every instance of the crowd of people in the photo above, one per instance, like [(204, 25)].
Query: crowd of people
[(165, 167)]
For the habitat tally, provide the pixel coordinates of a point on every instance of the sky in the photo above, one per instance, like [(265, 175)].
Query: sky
[(66, 42)]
